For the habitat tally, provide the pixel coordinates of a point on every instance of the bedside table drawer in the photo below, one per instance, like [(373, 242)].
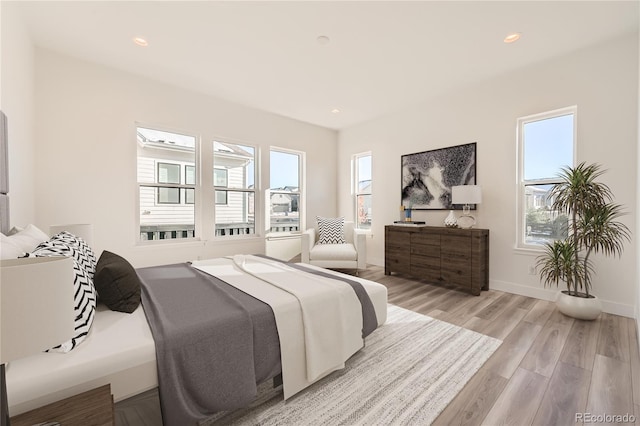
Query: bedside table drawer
[(91, 408)]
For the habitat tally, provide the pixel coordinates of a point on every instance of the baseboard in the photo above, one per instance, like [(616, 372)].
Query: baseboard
[(375, 261), (550, 294), (547, 294)]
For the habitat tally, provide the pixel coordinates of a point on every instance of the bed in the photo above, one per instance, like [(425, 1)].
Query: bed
[(120, 351), (119, 348)]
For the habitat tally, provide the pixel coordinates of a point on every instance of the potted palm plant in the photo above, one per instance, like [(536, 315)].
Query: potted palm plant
[(593, 228)]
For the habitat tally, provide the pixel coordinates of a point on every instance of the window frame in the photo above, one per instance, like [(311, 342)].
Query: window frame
[(186, 181), (172, 185), (226, 177), (221, 189), (522, 183), (300, 192), (356, 188), (226, 189), (197, 229), (204, 207)]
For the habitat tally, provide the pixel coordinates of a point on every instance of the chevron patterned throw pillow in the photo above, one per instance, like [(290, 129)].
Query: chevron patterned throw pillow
[(84, 291), (86, 256), (331, 230)]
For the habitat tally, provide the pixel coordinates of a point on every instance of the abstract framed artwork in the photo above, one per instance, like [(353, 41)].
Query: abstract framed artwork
[(427, 177)]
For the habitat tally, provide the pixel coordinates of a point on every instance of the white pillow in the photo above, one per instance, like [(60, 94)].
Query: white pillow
[(9, 249), (14, 230), (21, 242), (29, 238)]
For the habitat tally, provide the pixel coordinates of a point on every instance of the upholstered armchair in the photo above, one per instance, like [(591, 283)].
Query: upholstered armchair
[(352, 254)]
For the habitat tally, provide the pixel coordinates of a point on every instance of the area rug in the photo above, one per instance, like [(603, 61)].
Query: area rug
[(409, 371)]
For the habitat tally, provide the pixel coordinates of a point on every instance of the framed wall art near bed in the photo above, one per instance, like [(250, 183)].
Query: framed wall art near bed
[(427, 177)]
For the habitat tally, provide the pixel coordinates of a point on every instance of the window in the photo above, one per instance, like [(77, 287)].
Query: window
[(161, 156), (546, 143), (168, 173), (362, 190), (220, 180), (285, 192), (189, 179), (234, 186)]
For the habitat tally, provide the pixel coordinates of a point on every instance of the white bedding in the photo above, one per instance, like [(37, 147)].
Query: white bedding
[(119, 350), (331, 313), (319, 320)]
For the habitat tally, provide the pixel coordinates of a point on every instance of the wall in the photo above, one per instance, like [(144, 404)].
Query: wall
[(602, 81), (17, 102), (86, 152)]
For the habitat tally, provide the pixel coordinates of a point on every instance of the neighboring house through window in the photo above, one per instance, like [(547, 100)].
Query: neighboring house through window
[(169, 173), (189, 179), (161, 156), (546, 144), (220, 180), (235, 188), (285, 193), (362, 190), (168, 186)]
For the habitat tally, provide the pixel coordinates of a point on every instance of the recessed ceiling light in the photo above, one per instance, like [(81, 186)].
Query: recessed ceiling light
[(140, 41), (323, 40), (512, 37), (335, 110)]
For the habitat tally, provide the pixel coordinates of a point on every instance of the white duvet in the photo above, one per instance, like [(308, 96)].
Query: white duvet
[(319, 320)]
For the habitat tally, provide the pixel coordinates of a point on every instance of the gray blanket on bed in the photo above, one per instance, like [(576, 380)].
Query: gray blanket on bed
[(213, 342)]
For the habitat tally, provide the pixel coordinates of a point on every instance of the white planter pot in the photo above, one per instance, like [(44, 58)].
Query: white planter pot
[(579, 307)]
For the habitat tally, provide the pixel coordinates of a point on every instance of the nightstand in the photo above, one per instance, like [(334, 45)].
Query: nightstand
[(91, 408)]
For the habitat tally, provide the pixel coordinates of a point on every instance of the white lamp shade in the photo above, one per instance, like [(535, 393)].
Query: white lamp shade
[(466, 194), (36, 305), (82, 230)]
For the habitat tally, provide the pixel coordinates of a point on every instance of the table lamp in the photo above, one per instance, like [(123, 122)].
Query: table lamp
[(466, 195), (36, 310)]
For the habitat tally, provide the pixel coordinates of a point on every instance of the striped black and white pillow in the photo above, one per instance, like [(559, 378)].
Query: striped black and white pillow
[(84, 291), (331, 230), (86, 257)]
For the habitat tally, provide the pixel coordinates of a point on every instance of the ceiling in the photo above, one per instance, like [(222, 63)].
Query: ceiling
[(381, 57)]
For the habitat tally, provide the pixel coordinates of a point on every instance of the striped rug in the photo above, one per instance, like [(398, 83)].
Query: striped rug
[(409, 371)]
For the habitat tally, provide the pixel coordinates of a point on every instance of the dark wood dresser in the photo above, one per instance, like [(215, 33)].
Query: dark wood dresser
[(438, 254)]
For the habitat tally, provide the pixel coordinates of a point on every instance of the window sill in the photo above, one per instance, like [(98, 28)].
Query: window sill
[(231, 239), (529, 251), (273, 236), (170, 242), (197, 242)]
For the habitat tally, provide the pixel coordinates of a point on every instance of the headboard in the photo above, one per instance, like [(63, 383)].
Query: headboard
[(4, 175)]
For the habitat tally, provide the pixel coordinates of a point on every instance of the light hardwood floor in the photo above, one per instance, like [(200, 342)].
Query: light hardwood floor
[(548, 368)]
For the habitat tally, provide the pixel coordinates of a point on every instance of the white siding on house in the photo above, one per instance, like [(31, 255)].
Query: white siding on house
[(154, 213), (236, 208), (233, 217)]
